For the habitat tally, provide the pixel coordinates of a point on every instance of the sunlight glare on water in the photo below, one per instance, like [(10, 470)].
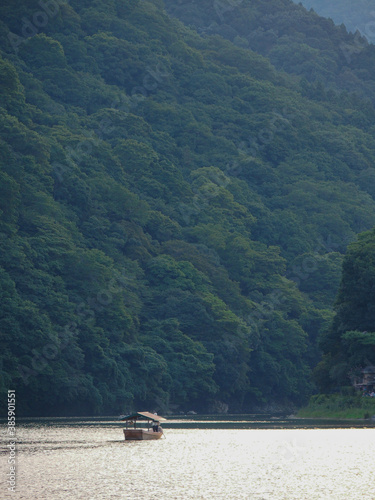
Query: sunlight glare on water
[(95, 463)]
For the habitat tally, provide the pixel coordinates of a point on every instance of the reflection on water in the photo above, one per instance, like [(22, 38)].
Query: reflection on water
[(72, 459)]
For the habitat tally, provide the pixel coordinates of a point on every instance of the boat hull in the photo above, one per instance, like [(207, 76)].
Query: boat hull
[(141, 434)]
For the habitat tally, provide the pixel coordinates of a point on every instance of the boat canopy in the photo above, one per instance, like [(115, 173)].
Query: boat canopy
[(143, 415)]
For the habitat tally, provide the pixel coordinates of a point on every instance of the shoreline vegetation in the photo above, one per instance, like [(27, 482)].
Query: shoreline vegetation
[(338, 406)]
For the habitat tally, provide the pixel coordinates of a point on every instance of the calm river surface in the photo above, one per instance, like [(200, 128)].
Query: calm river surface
[(198, 459)]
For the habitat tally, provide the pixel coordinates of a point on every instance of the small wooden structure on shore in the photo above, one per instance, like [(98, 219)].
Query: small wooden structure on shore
[(153, 431), (367, 381)]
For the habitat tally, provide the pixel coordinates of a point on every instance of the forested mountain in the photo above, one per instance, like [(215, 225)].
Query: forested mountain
[(174, 209), (359, 15)]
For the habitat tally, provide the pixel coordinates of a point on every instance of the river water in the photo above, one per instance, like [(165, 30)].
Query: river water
[(245, 458)]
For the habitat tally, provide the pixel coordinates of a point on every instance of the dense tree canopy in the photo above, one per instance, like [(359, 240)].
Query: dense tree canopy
[(349, 345), (174, 206)]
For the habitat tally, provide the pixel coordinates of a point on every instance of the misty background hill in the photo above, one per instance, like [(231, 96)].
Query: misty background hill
[(355, 16)]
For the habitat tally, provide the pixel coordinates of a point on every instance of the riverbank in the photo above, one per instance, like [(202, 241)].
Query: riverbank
[(337, 406)]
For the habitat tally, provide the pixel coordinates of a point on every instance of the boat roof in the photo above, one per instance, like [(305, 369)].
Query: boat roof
[(143, 415)]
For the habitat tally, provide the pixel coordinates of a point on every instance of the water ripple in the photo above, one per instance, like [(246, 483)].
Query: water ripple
[(94, 463)]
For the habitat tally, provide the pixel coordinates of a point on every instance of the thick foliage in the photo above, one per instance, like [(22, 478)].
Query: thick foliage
[(173, 212), (349, 345)]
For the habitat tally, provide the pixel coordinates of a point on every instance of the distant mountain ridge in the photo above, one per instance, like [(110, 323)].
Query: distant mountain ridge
[(358, 15)]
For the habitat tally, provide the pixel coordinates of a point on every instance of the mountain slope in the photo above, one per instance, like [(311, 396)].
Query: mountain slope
[(173, 214)]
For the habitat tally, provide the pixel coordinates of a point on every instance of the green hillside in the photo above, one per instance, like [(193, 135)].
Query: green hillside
[(174, 209)]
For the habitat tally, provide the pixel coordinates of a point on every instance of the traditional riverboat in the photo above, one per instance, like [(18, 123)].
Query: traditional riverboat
[(134, 433)]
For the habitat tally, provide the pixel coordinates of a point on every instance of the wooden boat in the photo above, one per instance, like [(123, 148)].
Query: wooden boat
[(153, 430)]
